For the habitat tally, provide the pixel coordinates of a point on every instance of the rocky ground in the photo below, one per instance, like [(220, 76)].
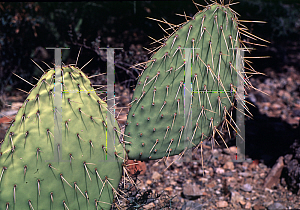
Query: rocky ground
[(225, 184), (269, 178)]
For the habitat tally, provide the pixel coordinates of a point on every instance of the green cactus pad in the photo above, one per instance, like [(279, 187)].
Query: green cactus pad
[(32, 177), (156, 125)]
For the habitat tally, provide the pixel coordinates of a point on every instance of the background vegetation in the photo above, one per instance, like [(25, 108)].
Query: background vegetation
[(27, 28)]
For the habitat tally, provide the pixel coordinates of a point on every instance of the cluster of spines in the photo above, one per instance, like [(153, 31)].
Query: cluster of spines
[(215, 73), (36, 115)]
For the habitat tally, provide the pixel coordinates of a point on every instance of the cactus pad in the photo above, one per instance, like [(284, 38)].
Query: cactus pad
[(160, 114), (32, 177)]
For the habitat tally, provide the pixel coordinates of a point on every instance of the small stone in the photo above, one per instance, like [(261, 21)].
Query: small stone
[(236, 197), (231, 150), (262, 166), (242, 203), (246, 187), (191, 191), (256, 176), (156, 175), (168, 188), (221, 198), (215, 153), (268, 203), (292, 121), (248, 205), (262, 175), (136, 167), (191, 205), (202, 179), (253, 165), (273, 177), (231, 179), (254, 198), (276, 206), (228, 174), (220, 170), (286, 96), (258, 207), (178, 188), (16, 105), (288, 158), (178, 161), (296, 112), (229, 165), (212, 184), (244, 174), (276, 106), (5, 119), (222, 204), (149, 206), (210, 171), (203, 192), (173, 183)]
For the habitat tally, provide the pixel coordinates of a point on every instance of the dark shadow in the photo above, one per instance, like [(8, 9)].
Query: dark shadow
[(268, 138)]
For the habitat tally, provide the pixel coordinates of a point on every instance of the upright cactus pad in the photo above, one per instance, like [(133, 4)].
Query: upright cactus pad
[(160, 114), (36, 172)]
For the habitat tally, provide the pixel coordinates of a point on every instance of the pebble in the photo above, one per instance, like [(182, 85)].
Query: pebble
[(228, 174), (276, 206), (178, 162), (246, 187), (149, 206), (244, 174), (220, 170), (191, 205), (136, 167), (9, 113), (262, 175), (236, 197), (229, 165), (168, 188), (211, 184), (229, 151), (247, 205), (258, 207), (191, 191), (16, 105), (202, 179), (222, 204), (156, 175), (173, 183)]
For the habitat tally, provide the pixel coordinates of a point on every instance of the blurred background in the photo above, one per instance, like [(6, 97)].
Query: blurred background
[(26, 29)]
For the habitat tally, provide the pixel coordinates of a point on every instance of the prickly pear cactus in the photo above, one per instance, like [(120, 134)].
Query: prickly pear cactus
[(160, 112), (38, 173)]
